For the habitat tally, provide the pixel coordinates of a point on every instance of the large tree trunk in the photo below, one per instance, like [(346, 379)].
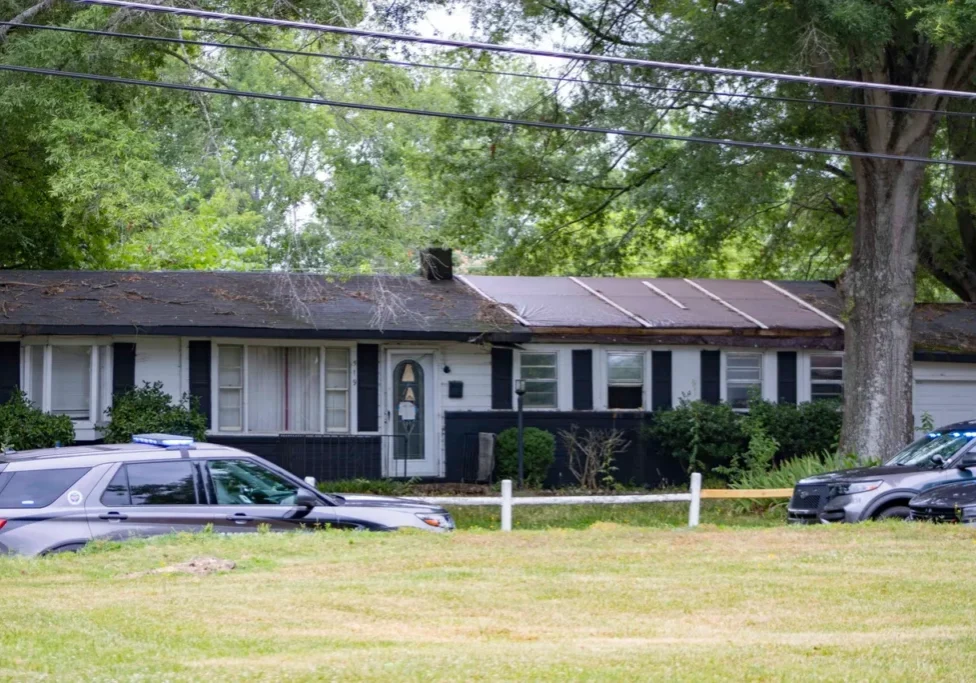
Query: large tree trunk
[(879, 287)]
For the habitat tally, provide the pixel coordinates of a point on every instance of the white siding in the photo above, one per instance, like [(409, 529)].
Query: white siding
[(470, 364), (158, 359)]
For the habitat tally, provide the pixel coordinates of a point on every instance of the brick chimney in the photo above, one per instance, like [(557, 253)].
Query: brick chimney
[(437, 263)]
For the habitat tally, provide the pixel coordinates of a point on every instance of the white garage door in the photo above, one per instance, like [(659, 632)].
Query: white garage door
[(947, 401)]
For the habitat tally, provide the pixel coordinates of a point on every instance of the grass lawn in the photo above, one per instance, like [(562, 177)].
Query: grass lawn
[(881, 602), (719, 512)]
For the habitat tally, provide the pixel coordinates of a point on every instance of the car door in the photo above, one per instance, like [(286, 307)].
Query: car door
[(247, 495), (148, 499)]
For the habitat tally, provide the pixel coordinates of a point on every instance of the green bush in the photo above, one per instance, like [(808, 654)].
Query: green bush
[(709, 438), (799, 429), (22, 426), (702, 436), (785, 475), (539, 452), (148, 410)]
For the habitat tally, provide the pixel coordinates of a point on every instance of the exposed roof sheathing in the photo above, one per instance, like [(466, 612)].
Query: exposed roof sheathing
[(661, 303)]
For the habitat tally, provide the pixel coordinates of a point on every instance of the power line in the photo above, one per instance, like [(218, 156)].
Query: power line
[(447, 67), (486, 119), (534, 52)]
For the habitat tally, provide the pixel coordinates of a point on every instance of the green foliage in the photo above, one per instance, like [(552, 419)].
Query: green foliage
[(715, 439), (378, 487), (148, 409), (798, 429), (539, 452), (22, 426), (700, 435), (785, 475)]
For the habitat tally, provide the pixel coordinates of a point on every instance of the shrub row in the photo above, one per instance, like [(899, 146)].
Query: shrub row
[(707, 438)]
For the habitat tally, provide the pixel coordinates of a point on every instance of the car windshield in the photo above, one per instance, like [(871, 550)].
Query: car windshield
[(922, 452)]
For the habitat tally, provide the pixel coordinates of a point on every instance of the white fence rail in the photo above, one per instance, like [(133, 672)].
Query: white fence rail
[(507, 501)]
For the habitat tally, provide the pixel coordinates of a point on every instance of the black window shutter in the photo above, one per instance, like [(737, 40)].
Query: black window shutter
[(711, 376), (786, 376), (368, 387), (501, 379), (9, 369), (200, 376), (661, 380), (123, 368), (582, 379)]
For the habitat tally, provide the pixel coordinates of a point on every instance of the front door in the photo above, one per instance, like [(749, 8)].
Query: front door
[(410, 415)]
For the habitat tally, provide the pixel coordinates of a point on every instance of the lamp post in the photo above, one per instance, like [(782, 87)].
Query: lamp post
[(520, 392)]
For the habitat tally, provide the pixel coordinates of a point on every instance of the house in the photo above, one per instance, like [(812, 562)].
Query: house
[(371, 376)]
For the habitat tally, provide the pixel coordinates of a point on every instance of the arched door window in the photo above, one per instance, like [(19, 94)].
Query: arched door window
[(408, 401)]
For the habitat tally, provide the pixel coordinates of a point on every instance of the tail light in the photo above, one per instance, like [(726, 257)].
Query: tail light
[(3, 522)]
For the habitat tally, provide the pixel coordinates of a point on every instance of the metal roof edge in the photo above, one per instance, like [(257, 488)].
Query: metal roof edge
[(805, 304)]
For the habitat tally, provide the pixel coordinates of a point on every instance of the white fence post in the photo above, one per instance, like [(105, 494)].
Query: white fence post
[(695, 507), (506, 504)]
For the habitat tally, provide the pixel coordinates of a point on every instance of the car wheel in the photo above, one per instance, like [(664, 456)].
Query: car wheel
[(896, 512)]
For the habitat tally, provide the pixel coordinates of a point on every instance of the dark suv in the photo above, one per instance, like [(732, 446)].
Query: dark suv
[(883, 492), (60, 499)]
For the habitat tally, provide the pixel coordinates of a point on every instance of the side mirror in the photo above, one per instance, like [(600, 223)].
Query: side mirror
[(305, 498), (968, 460)]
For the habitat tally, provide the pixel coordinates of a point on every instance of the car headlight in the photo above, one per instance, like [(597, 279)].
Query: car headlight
[(438, 521), (855, 487)]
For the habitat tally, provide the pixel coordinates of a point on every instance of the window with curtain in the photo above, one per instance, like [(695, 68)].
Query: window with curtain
[(539, 373), (283, 389), (826, 377), (625, 381), (743, 377), (60, 377), (71, 381)]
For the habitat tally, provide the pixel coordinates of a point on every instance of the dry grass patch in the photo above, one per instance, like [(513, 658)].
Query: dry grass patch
[(874, 602)]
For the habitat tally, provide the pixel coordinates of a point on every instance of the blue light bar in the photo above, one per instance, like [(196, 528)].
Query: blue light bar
[(934, 435), (162, 440)]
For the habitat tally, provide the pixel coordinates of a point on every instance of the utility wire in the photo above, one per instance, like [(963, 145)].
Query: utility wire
[(491, 72), (485, 119), (511, 49)]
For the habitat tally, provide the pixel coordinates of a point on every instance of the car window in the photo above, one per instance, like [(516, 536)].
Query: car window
[(38, 488), (920, 453), (167, 482), (242, 482), (117, 491)]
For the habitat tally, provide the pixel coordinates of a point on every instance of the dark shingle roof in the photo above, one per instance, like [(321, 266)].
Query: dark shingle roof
[(37, 302)]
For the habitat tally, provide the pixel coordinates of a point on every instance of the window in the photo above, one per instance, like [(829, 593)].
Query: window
[(743, 377), (70, 379), (337, 389), (284, 389), (826, 377), (167, 482), (230, 395), (625, 381), (35, 360), (538, 371), (38, 488), (239, 482)]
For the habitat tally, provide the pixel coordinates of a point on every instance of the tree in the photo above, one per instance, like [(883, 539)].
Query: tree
[(918, 43)]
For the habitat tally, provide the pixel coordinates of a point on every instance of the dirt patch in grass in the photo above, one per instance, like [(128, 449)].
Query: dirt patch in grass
[(200, 566)]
